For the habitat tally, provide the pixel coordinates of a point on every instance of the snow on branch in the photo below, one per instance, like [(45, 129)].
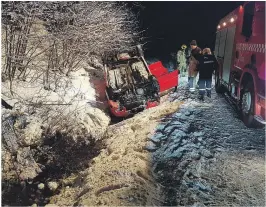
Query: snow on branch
[(56, 37)]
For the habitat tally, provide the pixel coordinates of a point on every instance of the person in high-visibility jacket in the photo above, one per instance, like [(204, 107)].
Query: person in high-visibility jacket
[(182, 60)]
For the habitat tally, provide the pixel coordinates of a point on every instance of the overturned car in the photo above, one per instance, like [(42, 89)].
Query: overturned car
[(132, 85)]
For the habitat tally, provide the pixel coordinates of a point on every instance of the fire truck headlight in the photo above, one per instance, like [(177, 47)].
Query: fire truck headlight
[(219, 27), (224, 24), (232, 19)]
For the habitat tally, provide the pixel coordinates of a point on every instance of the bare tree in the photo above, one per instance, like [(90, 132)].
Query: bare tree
[(45, 38)]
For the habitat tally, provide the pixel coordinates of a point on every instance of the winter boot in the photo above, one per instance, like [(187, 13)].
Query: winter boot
[(201, 97), (209, 94)]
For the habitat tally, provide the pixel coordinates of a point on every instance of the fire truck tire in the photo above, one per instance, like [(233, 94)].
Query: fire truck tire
[(218, 86), (247, 103)]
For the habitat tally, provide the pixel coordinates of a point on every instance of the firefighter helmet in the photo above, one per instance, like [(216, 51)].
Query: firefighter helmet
[(183, 47)]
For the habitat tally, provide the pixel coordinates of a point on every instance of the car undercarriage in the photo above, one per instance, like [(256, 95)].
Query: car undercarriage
[(130, 85)]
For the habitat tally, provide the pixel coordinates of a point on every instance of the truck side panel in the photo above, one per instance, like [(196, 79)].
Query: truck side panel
[(229, 44), (222, 43), (217, 43)]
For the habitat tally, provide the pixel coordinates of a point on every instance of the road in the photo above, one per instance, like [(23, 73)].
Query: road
[(205, 155)]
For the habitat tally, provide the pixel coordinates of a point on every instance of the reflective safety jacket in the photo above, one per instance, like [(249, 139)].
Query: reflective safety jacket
[(181, 57), (207, 64)]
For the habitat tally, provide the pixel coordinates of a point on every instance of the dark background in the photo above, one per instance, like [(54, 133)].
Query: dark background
[(168, 25)]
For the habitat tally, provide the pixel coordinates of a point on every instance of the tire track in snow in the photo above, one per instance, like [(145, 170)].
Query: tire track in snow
[(188, 141)]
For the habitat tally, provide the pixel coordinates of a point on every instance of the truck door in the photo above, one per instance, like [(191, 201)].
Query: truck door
[(228, 52), (222, 42), (219, 47), (224, 50), (217, 43)]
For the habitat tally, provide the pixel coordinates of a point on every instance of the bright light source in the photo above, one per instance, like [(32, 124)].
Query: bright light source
[(224, 24), (219, 27), (232, 19)]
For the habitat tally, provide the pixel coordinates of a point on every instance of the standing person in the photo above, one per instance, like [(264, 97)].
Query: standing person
[(181, 60), (207, 64), (193, 62)]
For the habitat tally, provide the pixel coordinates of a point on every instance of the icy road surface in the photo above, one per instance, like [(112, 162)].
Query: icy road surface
[(204, 155)]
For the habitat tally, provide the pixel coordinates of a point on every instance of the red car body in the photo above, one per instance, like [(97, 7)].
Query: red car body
[(166, 80)]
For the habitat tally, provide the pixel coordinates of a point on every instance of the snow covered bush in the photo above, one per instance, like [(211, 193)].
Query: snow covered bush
[(47, 53), (42, 39)]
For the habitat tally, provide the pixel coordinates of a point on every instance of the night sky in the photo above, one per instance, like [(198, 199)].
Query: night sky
[(168, 25)]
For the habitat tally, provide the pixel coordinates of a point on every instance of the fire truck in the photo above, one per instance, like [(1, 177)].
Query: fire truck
[(240, 51)]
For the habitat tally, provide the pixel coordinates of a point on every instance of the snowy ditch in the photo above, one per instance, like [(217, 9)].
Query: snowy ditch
[(48, 135)]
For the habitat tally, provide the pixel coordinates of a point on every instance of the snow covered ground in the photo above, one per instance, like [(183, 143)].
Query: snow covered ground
[(204, 154)]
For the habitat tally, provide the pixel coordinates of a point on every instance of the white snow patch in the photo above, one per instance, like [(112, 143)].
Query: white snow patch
[(160, 127), (70, 103), (74, 88), (198, 134)]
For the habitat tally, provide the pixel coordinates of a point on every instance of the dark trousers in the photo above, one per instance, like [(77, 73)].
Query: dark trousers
[(205, 85)]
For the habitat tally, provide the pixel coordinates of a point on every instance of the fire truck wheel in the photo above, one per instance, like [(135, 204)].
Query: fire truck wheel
[(218, 86), (247, 103)]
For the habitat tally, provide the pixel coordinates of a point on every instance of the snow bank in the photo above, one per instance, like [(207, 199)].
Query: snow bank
[(70, 100), (121, 174), (64, 90), (67, 109)]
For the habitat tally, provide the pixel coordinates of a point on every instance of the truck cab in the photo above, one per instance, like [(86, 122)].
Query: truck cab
[(240, 51)]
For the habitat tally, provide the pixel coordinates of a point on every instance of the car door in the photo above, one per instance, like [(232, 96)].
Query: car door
[(165, 79)]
